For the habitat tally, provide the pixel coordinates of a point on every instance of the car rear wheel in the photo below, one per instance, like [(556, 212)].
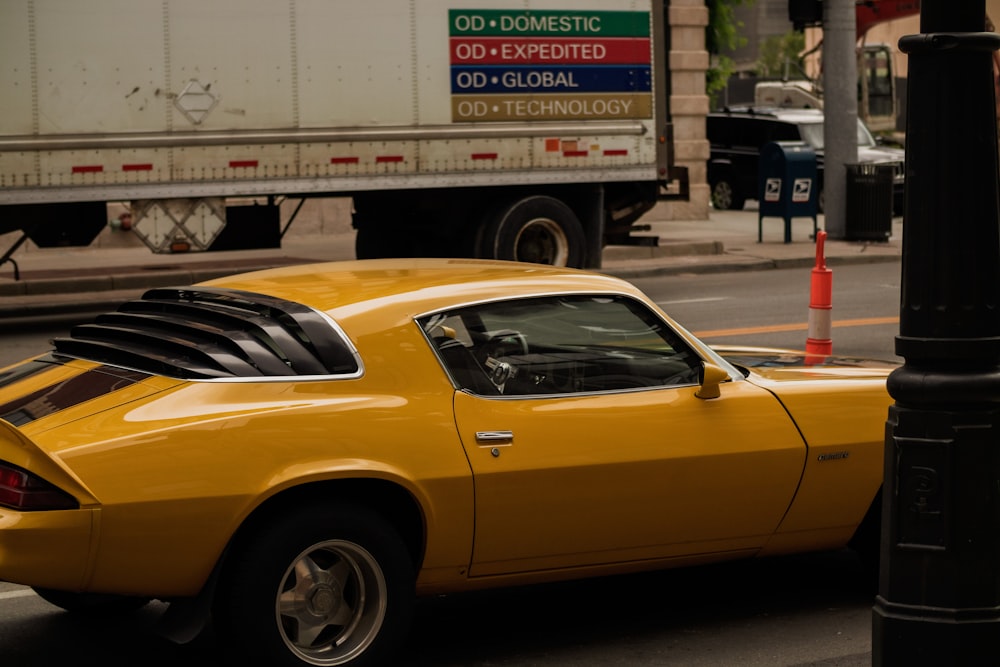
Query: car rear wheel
[(536, 229), (725, 197), (326, 586)]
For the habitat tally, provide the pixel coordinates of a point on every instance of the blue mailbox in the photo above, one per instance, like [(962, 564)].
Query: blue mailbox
[(787, 184)]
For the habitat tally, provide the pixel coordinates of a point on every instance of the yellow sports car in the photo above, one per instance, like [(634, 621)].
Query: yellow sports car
[(299, 452)]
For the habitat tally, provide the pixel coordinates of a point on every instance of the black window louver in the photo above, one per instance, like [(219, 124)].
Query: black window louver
[(203, 333)]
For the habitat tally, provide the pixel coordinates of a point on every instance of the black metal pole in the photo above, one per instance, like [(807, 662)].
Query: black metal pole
[(939, 584)]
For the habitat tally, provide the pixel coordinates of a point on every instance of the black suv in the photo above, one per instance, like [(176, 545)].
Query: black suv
[(737, 135)]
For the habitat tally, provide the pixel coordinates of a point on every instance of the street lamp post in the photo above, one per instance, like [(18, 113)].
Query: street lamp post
[(939, 584), (840, 123)]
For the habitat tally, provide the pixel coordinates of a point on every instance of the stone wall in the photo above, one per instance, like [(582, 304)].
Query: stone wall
[(688, 62)]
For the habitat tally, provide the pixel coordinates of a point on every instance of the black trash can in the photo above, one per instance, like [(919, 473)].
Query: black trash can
[(869, 201)]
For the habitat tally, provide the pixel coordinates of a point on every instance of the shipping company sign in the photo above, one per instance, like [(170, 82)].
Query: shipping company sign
[(549, 65)]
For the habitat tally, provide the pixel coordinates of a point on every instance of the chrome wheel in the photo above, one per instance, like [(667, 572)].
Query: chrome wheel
[(327, 584), (331, 603), (542, 241)]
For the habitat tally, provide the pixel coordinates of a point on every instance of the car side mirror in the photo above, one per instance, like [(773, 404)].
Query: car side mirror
[(711, 377)]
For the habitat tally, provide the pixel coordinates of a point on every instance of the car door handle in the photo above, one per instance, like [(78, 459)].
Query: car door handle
[(492, 437)]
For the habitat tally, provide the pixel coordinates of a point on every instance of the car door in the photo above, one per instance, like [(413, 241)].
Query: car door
[(593, 448)]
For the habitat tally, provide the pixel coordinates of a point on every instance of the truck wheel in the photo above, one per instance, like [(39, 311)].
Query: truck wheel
[(537, 229), (327, 585), (724, 196)]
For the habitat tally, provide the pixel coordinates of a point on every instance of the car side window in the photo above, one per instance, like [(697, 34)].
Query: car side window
[(560, 345)]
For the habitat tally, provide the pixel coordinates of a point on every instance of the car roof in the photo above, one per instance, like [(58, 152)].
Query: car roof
[(404, 288), (302, 320)]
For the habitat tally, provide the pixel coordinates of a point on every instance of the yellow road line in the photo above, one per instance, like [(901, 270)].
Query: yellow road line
[(798, 326)]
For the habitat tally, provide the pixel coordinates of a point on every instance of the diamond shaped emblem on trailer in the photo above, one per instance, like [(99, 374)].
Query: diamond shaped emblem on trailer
[(195, 101)]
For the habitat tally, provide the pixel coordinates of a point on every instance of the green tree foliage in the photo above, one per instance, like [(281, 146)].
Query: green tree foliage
[(780, 55), (722, 34)]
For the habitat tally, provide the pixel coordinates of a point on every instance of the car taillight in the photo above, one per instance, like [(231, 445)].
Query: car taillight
[(20, 490)]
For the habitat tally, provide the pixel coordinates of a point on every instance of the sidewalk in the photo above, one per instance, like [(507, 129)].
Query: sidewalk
[(60, 280)]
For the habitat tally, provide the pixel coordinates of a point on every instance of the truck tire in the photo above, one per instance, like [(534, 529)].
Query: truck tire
[(536, 229)]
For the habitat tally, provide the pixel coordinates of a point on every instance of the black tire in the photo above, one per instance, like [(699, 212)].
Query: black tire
[(725, 196), (92, 603), (536, 229), (327, 585)]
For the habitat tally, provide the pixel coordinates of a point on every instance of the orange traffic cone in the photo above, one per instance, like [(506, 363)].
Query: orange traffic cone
[(819, 346)]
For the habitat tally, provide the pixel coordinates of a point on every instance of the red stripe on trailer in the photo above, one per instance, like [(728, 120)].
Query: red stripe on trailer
[(137, 167), (575, 153), (350, 159), (388, 158), (616, 151), (237, 164), (484, 156), (88, 169)]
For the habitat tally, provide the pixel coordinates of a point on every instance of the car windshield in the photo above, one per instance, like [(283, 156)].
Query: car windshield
[(812, 133)]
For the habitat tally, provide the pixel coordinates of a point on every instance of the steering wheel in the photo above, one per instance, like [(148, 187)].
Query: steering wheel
[(504, 342)]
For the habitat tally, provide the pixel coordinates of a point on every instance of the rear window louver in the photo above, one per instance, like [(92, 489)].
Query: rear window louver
[(205, 333)]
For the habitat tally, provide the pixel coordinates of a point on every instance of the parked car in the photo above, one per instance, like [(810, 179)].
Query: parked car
[(304, 450), (737, 136)]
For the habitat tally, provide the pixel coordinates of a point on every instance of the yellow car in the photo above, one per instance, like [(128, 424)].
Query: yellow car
[(297, 453)]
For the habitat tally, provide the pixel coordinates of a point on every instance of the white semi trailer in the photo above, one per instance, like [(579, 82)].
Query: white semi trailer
[(536, 130)]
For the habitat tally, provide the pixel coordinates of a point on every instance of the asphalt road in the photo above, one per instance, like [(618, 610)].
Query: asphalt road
[(758, 308), (771, 308), (782, 612)]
